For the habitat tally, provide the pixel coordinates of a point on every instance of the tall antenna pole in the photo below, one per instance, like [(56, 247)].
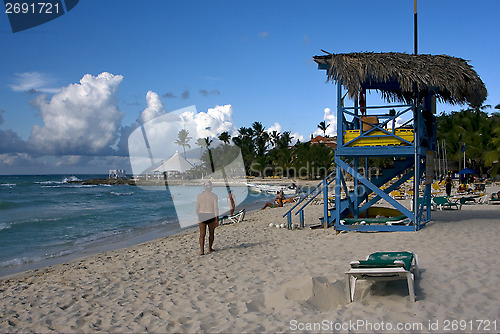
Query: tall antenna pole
[(439, 162), (443, 143), (415, 39)]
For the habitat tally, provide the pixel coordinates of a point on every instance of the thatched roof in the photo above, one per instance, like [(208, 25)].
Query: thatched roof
[(452, 79)]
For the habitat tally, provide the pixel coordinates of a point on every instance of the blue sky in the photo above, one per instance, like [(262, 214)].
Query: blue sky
[(254, 56)]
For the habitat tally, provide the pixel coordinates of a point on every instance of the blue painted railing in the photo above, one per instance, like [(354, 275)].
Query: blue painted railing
[(319, 189)]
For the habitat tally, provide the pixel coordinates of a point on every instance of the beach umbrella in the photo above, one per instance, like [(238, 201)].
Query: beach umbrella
[(467, 171)]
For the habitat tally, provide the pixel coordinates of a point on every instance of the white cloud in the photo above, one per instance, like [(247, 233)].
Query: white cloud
[(14, 158), (81, 119), (21, 163), (296, 137), (154, 108), (399, 122), (331, 119), (69, 160), (275, 127), (209, 124), (161, 133), (11, 142), (32, 82)]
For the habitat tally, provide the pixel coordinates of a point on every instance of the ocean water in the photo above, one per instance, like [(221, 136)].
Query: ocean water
[(45, 219)]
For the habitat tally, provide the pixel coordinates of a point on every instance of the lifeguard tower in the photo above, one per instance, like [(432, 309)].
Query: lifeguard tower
[(404, 130)]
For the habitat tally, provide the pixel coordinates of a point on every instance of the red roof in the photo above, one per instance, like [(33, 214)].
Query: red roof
[(330, 142)]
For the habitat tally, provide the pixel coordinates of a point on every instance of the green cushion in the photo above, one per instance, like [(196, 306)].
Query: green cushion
[(440, 200), (386, 259)]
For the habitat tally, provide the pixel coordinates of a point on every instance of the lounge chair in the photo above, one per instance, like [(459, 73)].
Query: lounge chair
[(424, 205), (396, 194), (443, 202), (232, 219), (466, 199), (436, 189), (383, 266), (494, 199), (483, 199)]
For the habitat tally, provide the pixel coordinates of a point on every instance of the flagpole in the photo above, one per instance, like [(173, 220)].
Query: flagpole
[(439, 162), (445, 164), (464, 156)]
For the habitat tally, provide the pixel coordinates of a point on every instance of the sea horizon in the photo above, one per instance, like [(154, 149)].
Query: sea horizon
[(53, 218)]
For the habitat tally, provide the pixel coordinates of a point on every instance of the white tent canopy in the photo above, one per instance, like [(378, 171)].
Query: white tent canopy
[(176, 163)]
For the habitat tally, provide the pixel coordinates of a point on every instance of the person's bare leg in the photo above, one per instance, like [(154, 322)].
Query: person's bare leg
[(268, 205), (203, 231), (211, 237)]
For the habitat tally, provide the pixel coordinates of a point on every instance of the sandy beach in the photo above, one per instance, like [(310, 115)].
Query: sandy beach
[(268, 279)]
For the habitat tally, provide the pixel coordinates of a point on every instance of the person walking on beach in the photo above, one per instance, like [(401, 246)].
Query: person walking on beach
[(232, 202), (448, 184), (207, 210)]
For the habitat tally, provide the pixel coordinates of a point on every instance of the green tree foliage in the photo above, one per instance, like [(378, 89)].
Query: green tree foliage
[(244, 141), (475, 129), (274, 137), (201, 143), (312, 160), (492, 156), (183, 140), (220, 156), (261, 138), (323, 126), (225, 137), (279, 158), (270, 154)]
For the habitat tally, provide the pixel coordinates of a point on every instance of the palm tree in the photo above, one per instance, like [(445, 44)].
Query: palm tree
[(285, 140), (492, 155), (201, 143), (183, 140), (475, 129), (258, 128), (209, 141), (280, 156), (245, 142), (275, 137), (323, 126), (261, 137), (225, 137)]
